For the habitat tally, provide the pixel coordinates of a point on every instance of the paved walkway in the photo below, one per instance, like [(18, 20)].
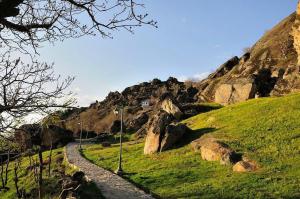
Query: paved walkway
[(111, 185)]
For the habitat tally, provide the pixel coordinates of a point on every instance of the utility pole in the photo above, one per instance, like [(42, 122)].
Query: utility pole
[(80, 135), (119, 171)]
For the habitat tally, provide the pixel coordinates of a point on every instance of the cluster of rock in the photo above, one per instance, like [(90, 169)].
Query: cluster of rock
[(71, 185), (142, 102), (151, 109), (270, 68), (212, 149), (33, 134)]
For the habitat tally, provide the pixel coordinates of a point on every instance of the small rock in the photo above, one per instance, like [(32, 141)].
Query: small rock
[(69, 183), (244, 166), (78, 176)]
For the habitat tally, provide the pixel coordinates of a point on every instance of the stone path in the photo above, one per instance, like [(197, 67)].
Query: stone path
[(111, 185)]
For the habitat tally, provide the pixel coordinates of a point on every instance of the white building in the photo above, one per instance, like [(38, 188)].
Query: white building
[(145, 103)]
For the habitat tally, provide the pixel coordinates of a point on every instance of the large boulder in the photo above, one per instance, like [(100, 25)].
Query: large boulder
[(214, 150), (240, 91), (174, 132), (141, 133), (196, 144), (137, 122), (156, 131), (168, 106), (152, 143)]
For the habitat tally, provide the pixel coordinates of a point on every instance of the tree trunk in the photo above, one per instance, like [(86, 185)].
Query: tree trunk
[(40, 173), (2, 169), (16, 178), (30, 161), (36, 177), (7, 165), (50, 159)]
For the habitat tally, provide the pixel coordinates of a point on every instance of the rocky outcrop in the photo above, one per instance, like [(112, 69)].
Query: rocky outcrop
[(296, 33), (269, 68), (99, 117), (226, 67), (115, 127), (168, 106), (137, 122), (239, 91), (32, 134)]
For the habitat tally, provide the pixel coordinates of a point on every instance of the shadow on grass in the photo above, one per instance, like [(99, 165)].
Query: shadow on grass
[(193, 135), (126, 176)]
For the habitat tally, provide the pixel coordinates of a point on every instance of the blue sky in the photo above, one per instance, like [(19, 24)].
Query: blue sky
[(194, 37)]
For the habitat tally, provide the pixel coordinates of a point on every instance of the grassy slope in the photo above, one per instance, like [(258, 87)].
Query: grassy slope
[(26, 179), (266, 130), (52, 187)]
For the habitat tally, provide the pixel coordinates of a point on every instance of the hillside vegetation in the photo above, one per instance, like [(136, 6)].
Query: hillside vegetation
[(51, 185), (266, 130)]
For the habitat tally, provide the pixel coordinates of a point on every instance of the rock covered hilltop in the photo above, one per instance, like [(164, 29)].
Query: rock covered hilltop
[(141, 103), (153, 109), (269, 68)]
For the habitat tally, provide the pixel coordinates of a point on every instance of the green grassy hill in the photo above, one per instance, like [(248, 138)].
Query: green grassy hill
[(266, 130)]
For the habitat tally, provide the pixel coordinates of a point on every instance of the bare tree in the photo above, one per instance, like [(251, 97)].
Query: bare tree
[(29, 88), (7, 147), (30, 22), (40, 181), (16, 177)]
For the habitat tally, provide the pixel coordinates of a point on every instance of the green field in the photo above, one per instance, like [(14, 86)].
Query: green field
[(266, 130)]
